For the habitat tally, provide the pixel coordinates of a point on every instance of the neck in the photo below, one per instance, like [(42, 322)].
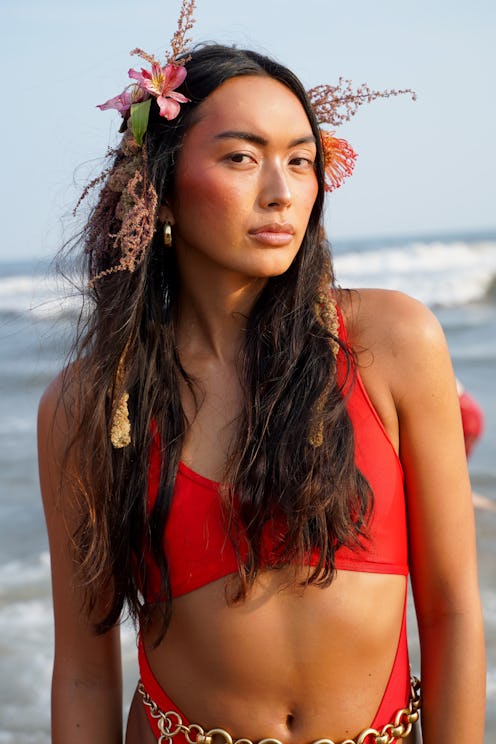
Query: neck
[(213, 310)]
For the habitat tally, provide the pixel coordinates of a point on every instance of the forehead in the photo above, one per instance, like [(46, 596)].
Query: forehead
[(253, 103)]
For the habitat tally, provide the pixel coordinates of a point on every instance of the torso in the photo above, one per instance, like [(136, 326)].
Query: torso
[(291, 664)]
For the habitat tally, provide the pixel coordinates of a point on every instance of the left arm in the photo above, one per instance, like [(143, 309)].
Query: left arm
[(441, 528)]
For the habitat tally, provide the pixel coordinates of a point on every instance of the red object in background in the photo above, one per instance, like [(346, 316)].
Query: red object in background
[(472, 420)]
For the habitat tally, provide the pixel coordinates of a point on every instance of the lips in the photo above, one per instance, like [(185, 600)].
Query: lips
[(274, 234)]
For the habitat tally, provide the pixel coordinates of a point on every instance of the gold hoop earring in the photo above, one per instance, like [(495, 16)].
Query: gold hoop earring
[(167, 234)]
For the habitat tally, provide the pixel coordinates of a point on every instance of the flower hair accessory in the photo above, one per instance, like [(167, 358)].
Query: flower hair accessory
[(333, 105), (339, 159), (160, 82)]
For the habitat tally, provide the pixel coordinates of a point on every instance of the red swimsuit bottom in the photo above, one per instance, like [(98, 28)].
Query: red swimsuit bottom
[(199, 552)]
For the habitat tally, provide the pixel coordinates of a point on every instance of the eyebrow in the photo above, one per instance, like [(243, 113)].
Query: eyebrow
[(256, 139)]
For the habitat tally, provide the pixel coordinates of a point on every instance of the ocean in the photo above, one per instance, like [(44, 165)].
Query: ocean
[(454, 274)]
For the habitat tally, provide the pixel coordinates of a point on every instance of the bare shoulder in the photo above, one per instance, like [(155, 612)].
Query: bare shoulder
[(58, 400), (53, 421), (398, 335), (50, 400), (383, 315), (55, 412)]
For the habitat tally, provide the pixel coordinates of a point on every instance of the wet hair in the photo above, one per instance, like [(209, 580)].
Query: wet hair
[(287, 370)]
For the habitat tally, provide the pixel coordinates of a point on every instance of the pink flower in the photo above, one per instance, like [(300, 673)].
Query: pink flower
[(124, 101), (161, 83)]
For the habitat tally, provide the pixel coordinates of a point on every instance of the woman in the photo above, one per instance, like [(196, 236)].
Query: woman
[(247, 460)]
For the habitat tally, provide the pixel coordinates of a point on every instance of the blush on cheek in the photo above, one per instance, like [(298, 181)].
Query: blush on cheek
[(204, 194)]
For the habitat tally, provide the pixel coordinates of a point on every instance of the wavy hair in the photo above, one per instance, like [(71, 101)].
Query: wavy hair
[(287, 368)]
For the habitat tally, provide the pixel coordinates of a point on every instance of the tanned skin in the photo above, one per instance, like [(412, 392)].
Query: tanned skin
[(292, 664)]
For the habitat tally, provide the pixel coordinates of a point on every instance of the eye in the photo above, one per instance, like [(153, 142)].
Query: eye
[(302, 162), (240, 158)]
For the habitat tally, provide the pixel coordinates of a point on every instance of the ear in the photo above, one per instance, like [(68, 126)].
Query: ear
[(165, 214)]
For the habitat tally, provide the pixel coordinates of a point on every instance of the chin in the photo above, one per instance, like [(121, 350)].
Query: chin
[(273, 267)]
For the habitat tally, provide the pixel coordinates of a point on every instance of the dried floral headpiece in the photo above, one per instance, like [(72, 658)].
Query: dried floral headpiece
[(160, 82), (332, 104)]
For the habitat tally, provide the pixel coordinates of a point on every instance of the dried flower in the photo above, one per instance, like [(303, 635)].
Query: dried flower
[(180, 42), (121, 175), (327, 315), (138, 210), (335, 104)]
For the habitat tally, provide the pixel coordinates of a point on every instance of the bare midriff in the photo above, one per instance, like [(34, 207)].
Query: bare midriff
[(292, 664)]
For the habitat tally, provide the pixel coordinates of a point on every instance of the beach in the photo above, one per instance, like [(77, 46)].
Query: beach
[(454, 274)]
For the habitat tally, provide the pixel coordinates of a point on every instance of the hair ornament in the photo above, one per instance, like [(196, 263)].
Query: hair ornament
[(339, 159), (167, 234), (336, 104), (136, 209), (327, 315), (160, 82), (120, 430), (120, 425), (333, 105)]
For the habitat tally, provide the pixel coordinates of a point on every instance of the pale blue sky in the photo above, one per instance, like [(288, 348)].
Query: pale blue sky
[(423, 167)]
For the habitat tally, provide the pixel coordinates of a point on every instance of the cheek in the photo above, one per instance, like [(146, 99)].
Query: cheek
[(312, 194), (305, 202), (208, 195)]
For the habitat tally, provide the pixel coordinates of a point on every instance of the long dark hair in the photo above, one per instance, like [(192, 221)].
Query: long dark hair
[(287, 368)]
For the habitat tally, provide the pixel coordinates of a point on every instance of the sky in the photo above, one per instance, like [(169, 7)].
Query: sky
[(423, 168)]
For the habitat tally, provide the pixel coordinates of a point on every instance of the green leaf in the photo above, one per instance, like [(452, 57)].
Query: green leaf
[(140, 113)]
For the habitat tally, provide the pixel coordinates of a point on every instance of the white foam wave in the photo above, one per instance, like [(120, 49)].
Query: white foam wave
[(37, 296), (489, 606), (14, 425), (26, 652), (22, 574), (437, 273), (491, 686)]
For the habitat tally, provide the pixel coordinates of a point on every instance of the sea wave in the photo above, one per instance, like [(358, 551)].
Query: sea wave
[(437, 273), (31, 573), (26, 651), (41, 298)]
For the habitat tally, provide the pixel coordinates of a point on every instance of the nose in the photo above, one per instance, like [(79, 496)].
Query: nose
[(275, 189)]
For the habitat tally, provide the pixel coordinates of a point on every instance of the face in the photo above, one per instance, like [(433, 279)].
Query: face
[(245, 182)]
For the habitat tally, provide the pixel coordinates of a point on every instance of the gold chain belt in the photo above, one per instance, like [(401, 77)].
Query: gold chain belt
[(171, 724)]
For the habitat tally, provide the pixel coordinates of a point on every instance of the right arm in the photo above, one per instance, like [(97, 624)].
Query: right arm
[(87, 678)]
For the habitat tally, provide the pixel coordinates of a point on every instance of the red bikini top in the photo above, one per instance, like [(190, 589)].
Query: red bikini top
[(199, 550)]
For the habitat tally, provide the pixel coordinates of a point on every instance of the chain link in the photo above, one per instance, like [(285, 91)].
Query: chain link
[(170, 724)]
